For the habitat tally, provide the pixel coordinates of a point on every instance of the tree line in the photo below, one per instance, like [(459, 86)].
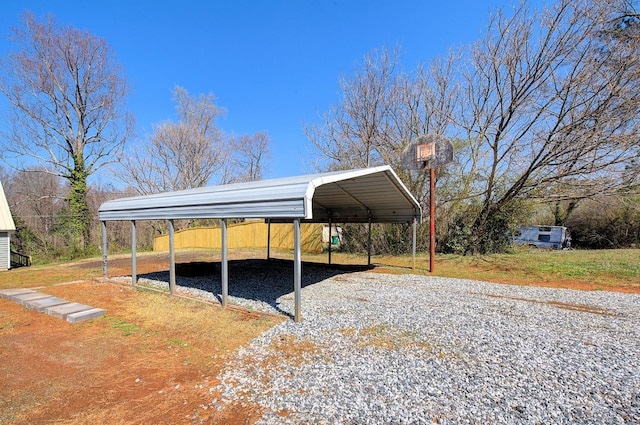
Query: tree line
[(67, 119), (542, 112)]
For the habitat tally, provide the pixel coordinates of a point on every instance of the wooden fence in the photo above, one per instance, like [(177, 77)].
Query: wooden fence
[(252, 234)]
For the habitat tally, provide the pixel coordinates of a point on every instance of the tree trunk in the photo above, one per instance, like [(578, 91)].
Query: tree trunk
[(562, 216), (78, 206)]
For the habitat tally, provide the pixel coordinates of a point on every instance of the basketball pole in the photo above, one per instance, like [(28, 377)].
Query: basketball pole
[(432, 219), (429, 151)]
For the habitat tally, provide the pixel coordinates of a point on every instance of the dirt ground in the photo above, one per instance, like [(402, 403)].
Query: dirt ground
[(147, 361), (151, 359)]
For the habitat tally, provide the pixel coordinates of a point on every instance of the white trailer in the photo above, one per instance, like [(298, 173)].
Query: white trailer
[(554, 237)]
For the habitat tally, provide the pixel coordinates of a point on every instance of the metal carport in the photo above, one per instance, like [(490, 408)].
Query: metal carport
[(369, 195)]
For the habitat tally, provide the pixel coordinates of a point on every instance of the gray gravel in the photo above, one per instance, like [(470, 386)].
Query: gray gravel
[(407, 349)]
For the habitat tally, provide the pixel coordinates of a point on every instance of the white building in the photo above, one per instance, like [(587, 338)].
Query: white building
[(7, 226)]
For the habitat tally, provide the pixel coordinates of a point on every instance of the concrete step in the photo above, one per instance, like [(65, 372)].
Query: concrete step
[(7, 293), (29, 296), (44, 303), (63, 310), (53, 306), (81, 316)]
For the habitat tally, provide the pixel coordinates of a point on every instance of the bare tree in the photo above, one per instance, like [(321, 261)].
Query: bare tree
[(119, 232), (66, 93), (420, 103), (193, 152), (36, 199), (249, 156), (544, 107), (382, 110), (550, 108), (350, 131), (180, 155)]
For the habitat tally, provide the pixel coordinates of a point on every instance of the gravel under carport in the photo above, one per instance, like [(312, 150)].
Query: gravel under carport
[(407, 349)]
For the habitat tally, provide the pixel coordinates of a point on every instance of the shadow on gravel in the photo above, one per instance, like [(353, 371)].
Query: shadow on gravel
[(253, 279)]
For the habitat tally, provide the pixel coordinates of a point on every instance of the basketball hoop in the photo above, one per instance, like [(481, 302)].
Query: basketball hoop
[(426, 153)]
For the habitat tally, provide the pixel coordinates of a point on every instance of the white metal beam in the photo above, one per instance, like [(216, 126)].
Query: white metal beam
[(224, 263), (105, 272), (134, 274), (172, 260), (297, 271)]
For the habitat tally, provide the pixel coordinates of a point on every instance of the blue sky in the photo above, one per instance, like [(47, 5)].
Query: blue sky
[(273, 65)]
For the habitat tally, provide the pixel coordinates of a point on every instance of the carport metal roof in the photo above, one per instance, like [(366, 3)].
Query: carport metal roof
[(354, 196), (369, 195)]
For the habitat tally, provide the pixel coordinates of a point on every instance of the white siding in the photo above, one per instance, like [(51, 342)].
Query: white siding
[(5, 256)]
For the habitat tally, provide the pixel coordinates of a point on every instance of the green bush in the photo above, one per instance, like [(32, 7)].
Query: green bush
[(472, 230), (606, 222)]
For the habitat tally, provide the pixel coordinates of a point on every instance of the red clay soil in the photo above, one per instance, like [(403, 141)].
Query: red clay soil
[(112, 370), (54, 372)]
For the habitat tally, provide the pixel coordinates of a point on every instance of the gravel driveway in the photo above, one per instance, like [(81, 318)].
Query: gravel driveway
[(406, 349)]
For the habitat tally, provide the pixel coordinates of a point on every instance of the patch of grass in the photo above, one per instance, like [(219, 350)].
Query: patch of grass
[(594, 269), (384, 337), (125, 327), (85, 269), (177, 342), (146, 288), (379, 336), (195, 323), (348, 332), (39, 276), (292, 349), (601, 268)]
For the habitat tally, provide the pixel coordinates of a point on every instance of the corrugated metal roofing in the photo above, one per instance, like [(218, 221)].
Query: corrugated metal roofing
[(351, 196), (6, 220)]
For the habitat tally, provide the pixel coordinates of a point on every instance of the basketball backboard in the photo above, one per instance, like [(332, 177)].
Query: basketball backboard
[(428, 151)]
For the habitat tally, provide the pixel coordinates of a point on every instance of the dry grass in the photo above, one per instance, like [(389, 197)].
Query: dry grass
[(291, 349), (151, 359), (583, 269), (383, 337), (192, 324), (565, 306), (610, 270)]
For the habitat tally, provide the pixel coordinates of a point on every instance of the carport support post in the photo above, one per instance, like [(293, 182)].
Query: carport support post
[(330, 239), (225, 265), (134, 274), (268, 239), (369, 242), (297, 271), (105, 273), (415, 221), (172, 260)]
